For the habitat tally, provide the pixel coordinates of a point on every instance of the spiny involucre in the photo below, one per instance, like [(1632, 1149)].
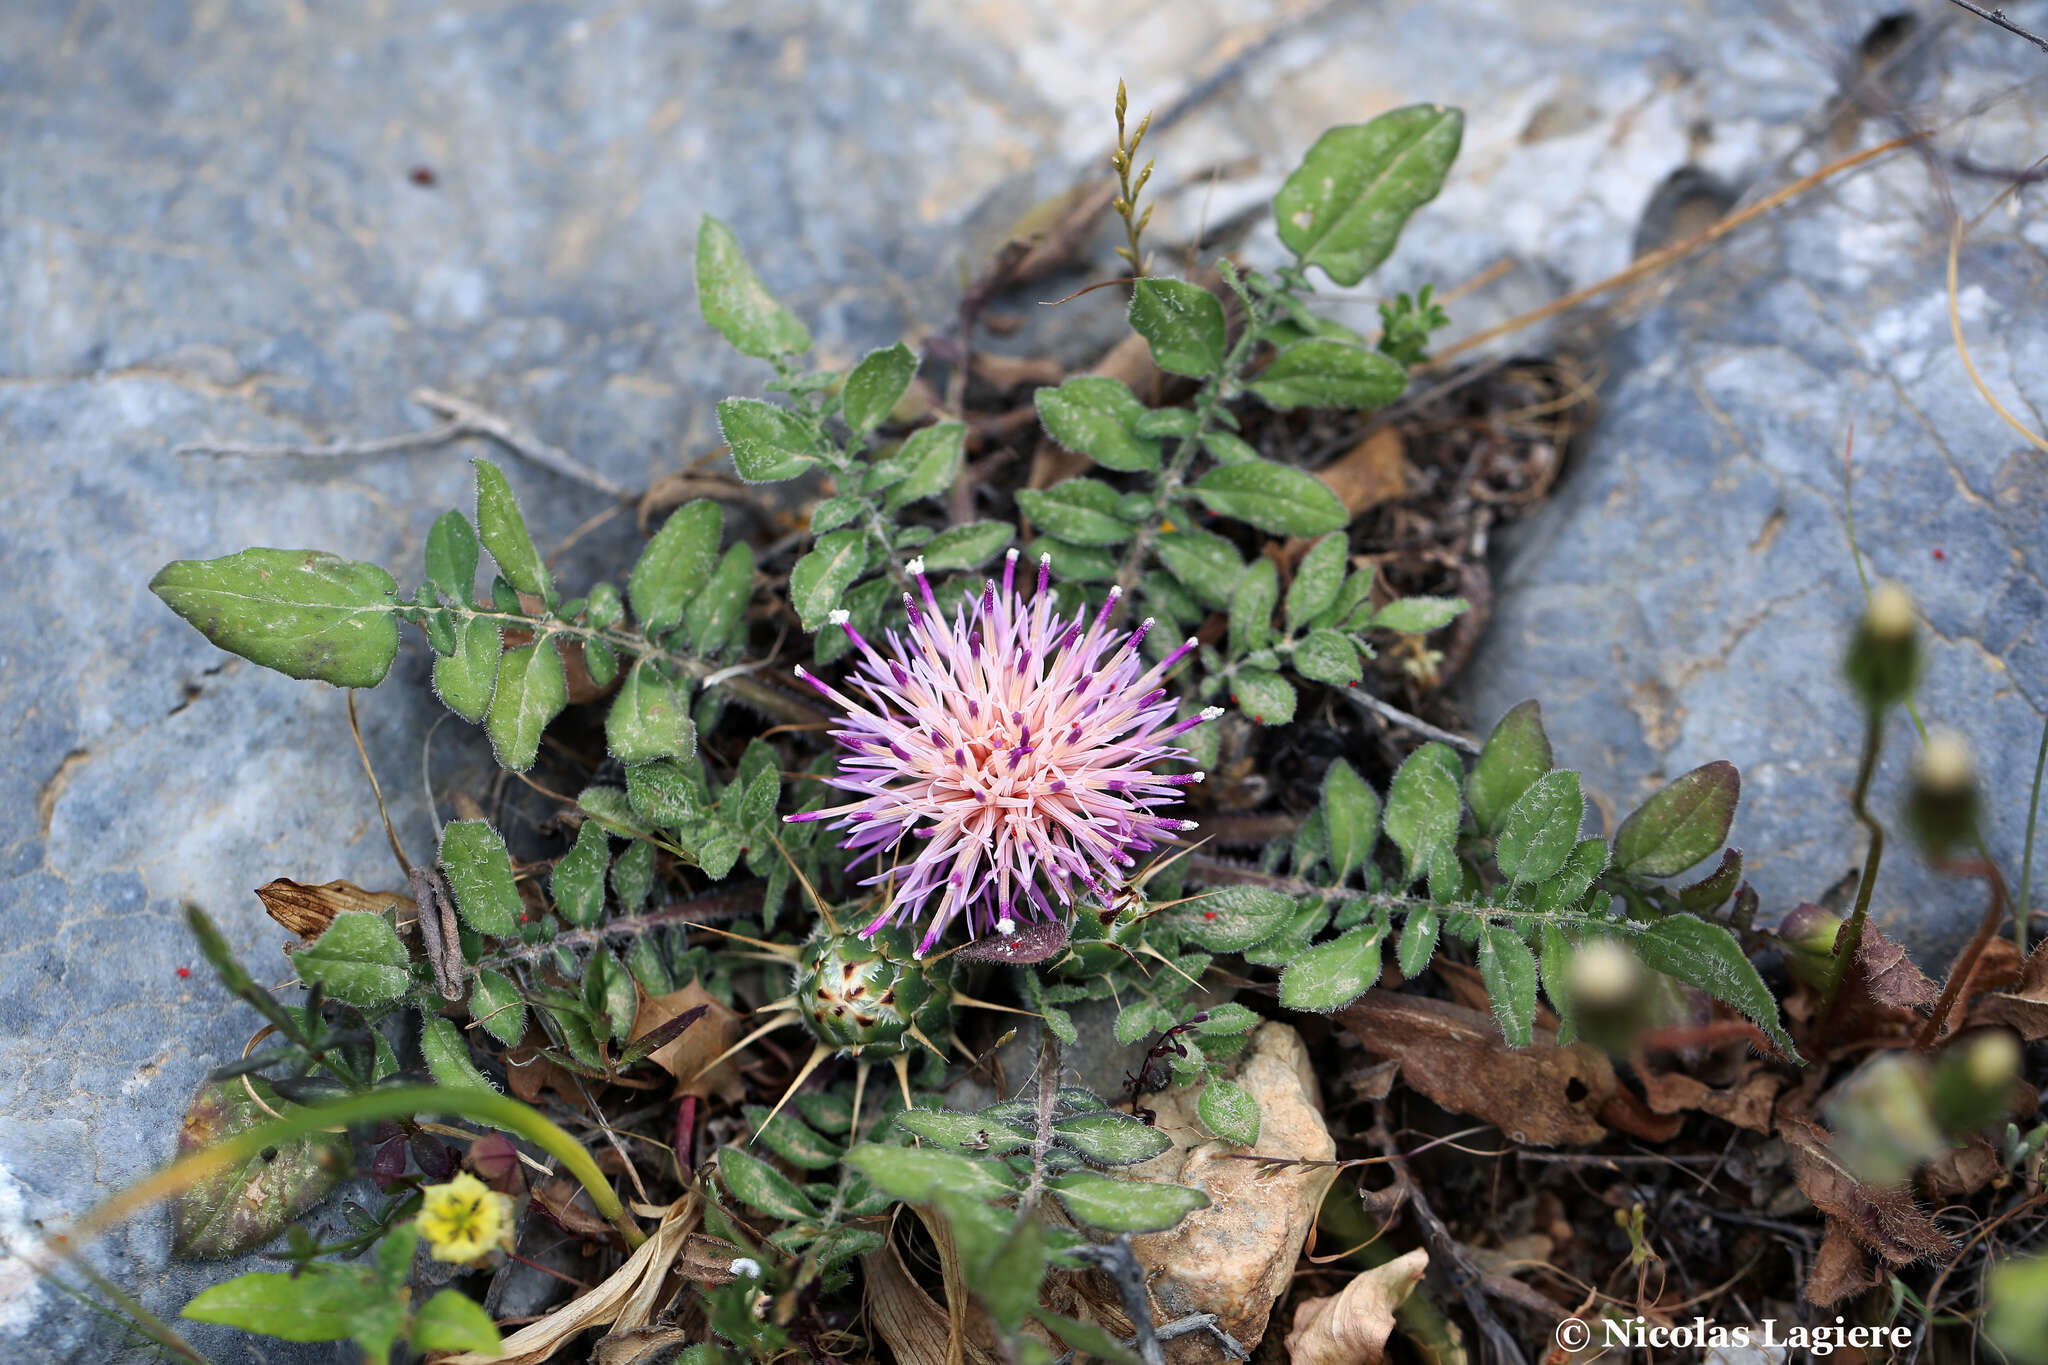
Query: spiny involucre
[(1016, 744)]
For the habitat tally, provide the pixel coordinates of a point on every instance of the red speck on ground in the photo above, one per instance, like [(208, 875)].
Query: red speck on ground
[(184, 973), (1940, 554), (1208, 914), (423, 176)]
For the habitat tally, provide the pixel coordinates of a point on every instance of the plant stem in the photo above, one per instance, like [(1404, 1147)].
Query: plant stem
[(2023, 907), (1987, 929), (1850, 941), (484, 1106)]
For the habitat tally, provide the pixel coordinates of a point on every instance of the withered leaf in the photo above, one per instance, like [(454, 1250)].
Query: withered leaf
[(1543, 1094), (1890, 975), (1351, 1327), (240, 1208), (2023, 1006), (1841, 1269), (1887, 1221), (307, 910), (1033, 942), (684, 1057)]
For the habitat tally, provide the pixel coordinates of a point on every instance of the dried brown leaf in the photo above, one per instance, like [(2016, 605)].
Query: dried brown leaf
[(1887, 1221), (306, 910), (698, 1044), (1351, 1327), (1841, 1269), (624, 1290), (912, 1323), (1543, 1094), (2020, 1005), (1890, 975), (1370, 473)]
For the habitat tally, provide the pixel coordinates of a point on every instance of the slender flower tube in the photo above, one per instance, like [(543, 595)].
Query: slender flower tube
[(1002, 762)]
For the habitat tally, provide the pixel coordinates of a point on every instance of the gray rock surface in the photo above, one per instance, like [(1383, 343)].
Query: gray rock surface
[(208, 229), (1687, 595)]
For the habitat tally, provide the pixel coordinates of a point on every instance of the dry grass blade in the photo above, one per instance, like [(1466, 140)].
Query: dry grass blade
[(625, 1297), (915, 1327)]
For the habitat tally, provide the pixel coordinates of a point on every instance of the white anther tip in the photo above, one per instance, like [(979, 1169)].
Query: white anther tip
[(916, 566), (1199, 775), (1006, 926), (838, 617), (1190, 824), (1211, 712), (1011, 553)]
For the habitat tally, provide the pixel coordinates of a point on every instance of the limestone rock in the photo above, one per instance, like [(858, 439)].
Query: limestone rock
[(1234, 1258)]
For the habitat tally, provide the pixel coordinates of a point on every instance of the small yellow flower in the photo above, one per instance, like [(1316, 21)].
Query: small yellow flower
[(465, 1220)]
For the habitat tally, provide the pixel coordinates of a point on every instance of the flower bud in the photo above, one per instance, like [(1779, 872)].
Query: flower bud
[(1973, 1082), (1884, 654), (1607, 990), (1808, 936), (1942, 806), (1883, 1121)]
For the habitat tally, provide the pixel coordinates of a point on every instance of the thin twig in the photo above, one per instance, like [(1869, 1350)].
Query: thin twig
[(356, 732), (1450, 1254), (1654, 261), (460, 418), (1997, 16), (729, 901), (1394, 715)]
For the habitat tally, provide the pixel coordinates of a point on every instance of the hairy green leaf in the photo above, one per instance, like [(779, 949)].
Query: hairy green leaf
[(497, 1007), (446, 1053), (1586, 862), (1264, 695), (1351, 815), (1509, 970), (357, 960), (1111, 1139), (1323, 372), (649, 718), (1419, 615), (1331, 975), (673, 567), (1681, 825), (1203, 562), (323, 1303), (301, 612), (1541, 829), (1230, 1112), (735, 302), (1273, 497), (577, 882), (1096, 416), (1707, 956), (1112, 1205), (451, 557), (531, 691), (1251, 608), (929, 458), (451, 1322), (1182, 322), (821, 578), (912, 1173), (1423, 809), (479, 873), (1344, 207), (967, 546), (1417, 944), (760, 1186), (1078, 511), (1316, 581), (714, 616), (1233, 919), (504, 533), (874, 386), (463, 680), (1515, 755), (1329, 658), (769, 444)]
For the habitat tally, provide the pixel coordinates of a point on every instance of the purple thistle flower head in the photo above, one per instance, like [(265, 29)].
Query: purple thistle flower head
[(1003, 761)]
